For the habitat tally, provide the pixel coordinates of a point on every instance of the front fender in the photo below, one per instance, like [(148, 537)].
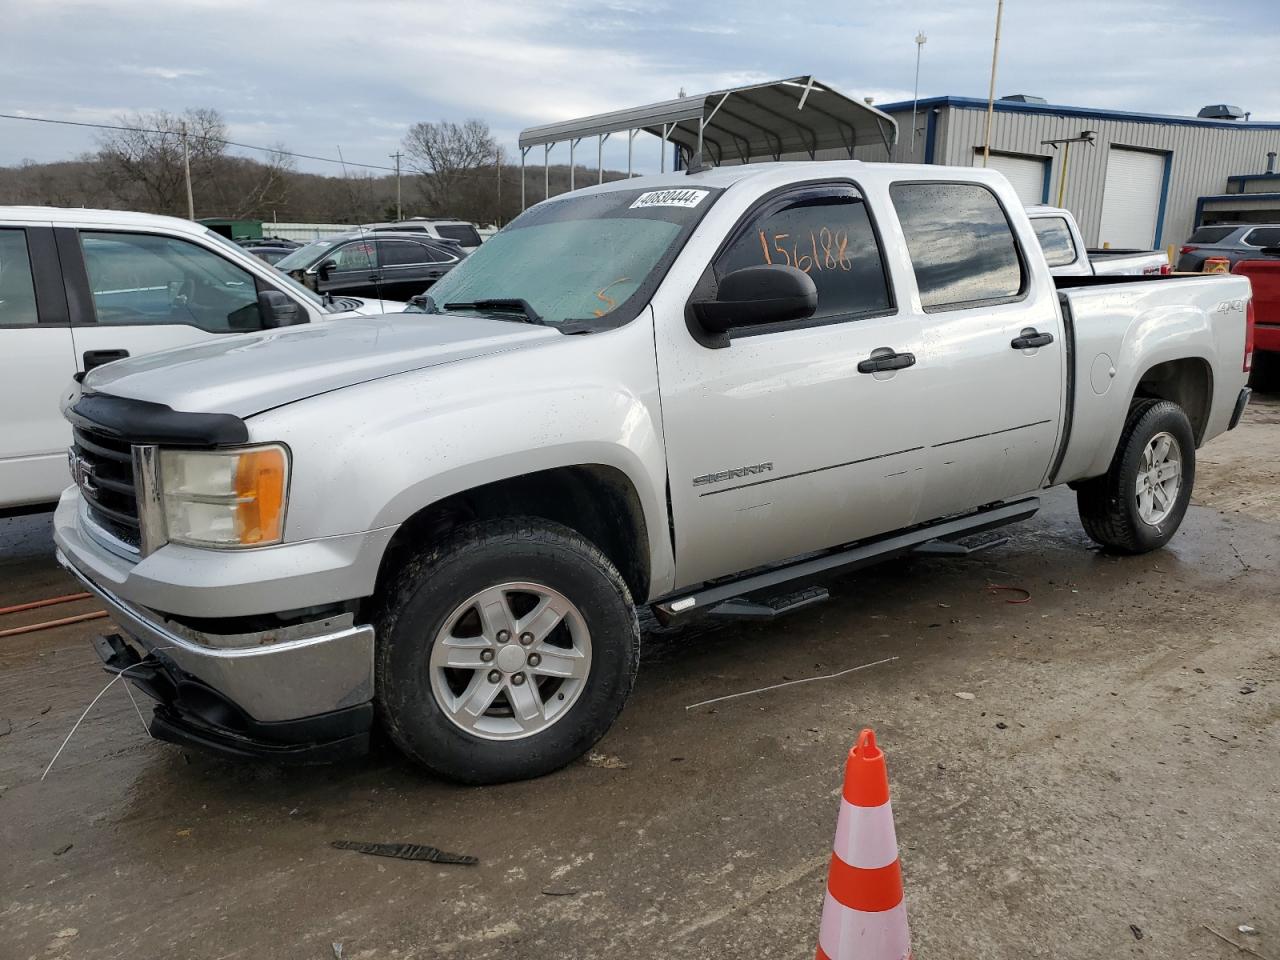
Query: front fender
[(372, 455)]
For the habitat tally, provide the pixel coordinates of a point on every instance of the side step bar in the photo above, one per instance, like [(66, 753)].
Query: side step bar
[(846, 558)]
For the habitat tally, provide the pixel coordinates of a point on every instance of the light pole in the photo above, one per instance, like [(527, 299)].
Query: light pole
[(915, 97), (991, 94), (1086, 136)]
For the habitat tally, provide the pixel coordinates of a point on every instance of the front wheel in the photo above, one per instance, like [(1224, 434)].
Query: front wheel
[(505, 651), (1139, 503)]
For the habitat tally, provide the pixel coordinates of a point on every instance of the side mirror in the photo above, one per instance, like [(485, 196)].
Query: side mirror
[(327, 267), (277, 310), (769, 293)]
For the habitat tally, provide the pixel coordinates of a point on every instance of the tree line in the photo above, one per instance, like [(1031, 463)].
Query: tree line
[(448, 169)]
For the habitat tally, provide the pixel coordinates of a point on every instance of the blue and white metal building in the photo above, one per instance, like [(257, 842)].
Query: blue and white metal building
[(1146, 181)]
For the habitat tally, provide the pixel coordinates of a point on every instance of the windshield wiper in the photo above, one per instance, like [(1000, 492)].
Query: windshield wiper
[(501, 305)]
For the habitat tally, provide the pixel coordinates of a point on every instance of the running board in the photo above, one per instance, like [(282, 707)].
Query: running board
[(963, 547), (768, 608), (843, 559)]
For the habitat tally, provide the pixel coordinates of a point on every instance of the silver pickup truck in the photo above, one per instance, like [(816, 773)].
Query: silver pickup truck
[(697, 393)]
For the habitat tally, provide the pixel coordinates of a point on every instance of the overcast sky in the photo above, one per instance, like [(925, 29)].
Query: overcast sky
[(318, 74)]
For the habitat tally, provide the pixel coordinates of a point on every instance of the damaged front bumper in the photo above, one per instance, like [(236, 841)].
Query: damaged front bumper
[(302, 695)]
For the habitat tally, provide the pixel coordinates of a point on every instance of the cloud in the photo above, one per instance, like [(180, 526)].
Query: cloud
[(319, 74), (165, 73)]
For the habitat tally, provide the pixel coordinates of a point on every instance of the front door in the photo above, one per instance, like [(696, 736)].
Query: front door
[(777, 444), (993, 371)]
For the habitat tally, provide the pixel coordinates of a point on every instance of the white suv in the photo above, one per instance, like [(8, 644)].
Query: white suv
[(80, 288), (461, 232)]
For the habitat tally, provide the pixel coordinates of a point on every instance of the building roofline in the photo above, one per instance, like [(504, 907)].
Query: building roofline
[(1014, 106)]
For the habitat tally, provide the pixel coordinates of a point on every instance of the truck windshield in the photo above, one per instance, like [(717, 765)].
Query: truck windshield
[(589, 261)]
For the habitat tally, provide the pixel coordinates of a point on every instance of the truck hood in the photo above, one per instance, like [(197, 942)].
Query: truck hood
[(246, 374)]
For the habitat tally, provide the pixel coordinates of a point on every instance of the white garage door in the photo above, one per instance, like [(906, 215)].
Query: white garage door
[(1131, 198), (1027, 176)]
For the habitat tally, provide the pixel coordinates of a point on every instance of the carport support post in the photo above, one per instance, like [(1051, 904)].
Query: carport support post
[(600, 156), (524, 152), (546, 171), (631, 142), (572, 145)]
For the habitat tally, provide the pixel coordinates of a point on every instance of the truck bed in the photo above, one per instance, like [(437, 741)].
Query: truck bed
[(1110, 321)]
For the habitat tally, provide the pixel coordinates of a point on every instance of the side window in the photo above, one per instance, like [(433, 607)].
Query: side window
[(464, 233), (141, 279), (1264, 237), (17, 290), (402, 253), (357, 255), (827, 233), (1055, 240), (960, 242)]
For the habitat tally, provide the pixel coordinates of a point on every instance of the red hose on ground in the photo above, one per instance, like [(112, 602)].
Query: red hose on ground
[(35, 604)]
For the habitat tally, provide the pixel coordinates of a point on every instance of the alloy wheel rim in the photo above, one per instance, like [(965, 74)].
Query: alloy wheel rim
[(1159, 478), (510, 660)]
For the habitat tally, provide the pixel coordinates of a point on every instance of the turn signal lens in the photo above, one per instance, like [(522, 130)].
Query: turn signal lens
[(231, 498)]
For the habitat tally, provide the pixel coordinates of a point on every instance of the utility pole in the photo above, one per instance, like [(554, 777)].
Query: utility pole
[(991, 93), (915, 97), (186, 169), (396, 157), (497, 162)]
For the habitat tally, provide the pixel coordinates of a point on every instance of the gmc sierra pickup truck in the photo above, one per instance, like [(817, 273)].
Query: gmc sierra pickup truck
[(700, 393), (80, 288)]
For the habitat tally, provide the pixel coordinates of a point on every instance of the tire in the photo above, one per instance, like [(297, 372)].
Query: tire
[(1112, 507), (524, 573)]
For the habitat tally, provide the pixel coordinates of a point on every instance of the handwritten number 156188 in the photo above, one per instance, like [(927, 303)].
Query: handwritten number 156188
[(824, 250)]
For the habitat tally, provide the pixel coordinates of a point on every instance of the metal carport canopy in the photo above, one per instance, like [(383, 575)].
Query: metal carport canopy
[(797, 115)]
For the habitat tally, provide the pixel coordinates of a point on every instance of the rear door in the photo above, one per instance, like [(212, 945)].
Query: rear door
[(993, 398), (132, 293), (408, 267), (39, 362)]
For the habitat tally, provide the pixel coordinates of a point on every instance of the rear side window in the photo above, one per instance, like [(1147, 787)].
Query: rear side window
[(358, 255), (827, 233), (1263, 237), (961, 244), (1211, 234), (1055, 240), (464, 233), (400, 253), (141, 279), (17, 291)]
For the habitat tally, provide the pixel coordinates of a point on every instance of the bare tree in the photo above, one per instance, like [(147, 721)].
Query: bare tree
[(142, 166), (446, 154)]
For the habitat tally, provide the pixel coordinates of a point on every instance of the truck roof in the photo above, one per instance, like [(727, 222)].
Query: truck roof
[(727, 176), (122, 218)]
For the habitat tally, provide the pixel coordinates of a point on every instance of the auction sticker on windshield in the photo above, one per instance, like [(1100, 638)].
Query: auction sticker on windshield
[(669, 198)]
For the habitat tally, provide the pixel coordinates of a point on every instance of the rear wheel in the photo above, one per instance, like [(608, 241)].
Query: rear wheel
[(505, 651), (1139, 503)]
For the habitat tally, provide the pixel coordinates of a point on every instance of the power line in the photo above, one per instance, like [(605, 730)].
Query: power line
[(195, 136)]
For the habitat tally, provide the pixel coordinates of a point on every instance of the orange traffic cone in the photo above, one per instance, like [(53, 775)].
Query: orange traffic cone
[(864, 916)]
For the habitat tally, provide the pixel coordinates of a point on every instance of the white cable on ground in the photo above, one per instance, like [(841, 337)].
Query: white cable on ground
[(788, 683)]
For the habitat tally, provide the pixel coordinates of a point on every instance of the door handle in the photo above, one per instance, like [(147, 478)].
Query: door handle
[(886, 361), (1030, 337), (96, 358)]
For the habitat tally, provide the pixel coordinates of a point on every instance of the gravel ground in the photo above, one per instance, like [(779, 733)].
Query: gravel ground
[(1110, 790)]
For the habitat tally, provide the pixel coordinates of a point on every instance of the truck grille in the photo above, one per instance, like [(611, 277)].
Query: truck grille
[(102, 467)]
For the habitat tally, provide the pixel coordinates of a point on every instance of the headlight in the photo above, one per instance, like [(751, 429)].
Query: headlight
[(225, 498)]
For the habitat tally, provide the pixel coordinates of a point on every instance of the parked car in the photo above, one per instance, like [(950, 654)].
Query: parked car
[(462, 232), (1264, 275), (271, 250), (1230, 241), (1067, 256), (79, 288), (695, 393), (363, 263)]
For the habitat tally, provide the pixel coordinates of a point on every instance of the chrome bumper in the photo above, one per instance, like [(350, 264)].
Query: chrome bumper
[(273, 681)]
